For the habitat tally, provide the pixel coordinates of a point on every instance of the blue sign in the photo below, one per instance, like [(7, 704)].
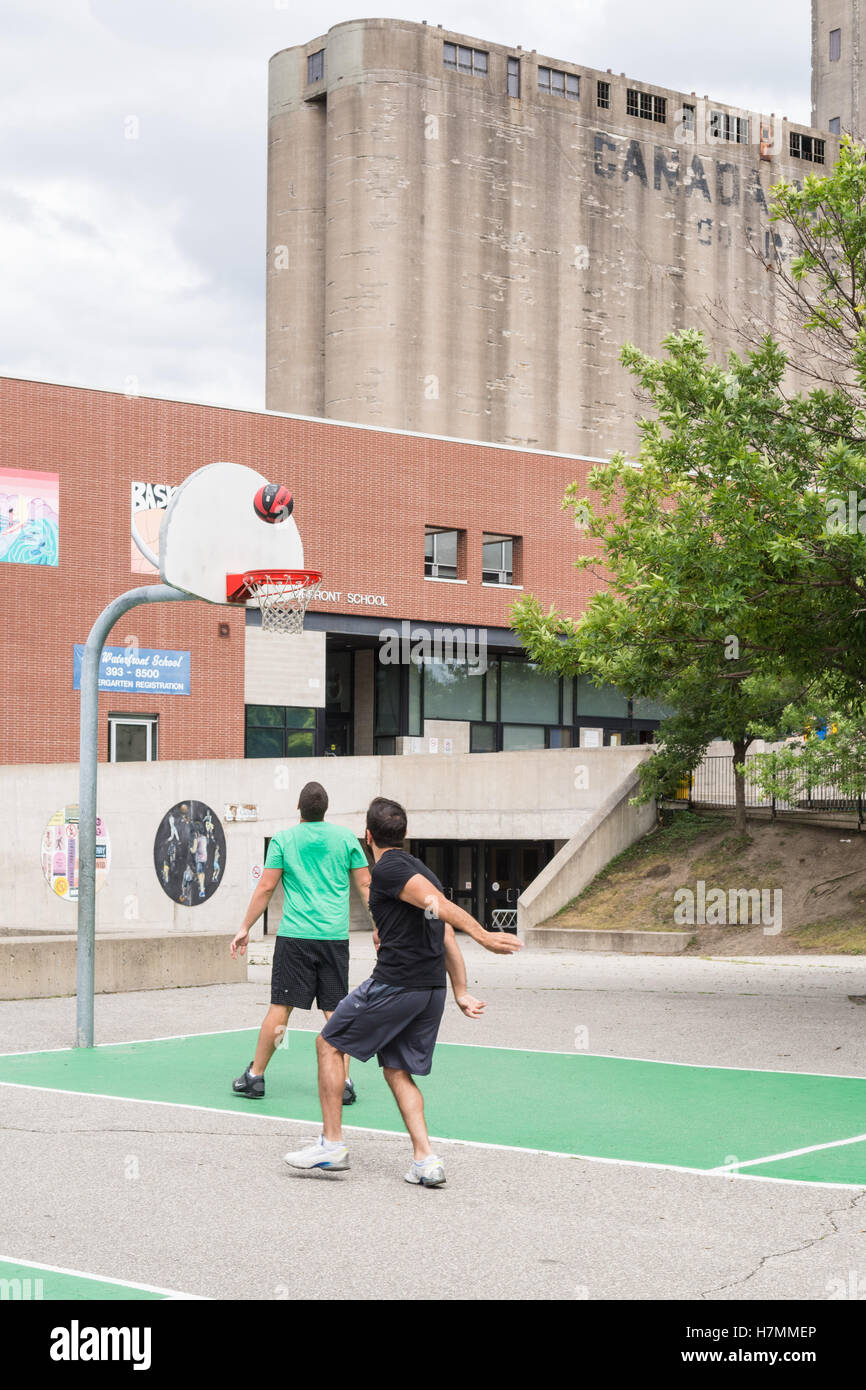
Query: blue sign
[(138, 670)]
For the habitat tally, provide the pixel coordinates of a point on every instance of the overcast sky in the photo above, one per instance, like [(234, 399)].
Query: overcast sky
[(143, 258)]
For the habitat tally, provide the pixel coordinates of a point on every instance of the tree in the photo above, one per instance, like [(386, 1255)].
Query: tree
[(729, 592)]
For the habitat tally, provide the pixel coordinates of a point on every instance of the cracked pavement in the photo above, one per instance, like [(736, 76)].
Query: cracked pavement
[(202, 1203)]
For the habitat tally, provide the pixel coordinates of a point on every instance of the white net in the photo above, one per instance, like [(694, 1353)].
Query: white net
[(283, 599)]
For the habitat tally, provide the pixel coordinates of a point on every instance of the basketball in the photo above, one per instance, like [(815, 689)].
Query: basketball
[(273, 502)]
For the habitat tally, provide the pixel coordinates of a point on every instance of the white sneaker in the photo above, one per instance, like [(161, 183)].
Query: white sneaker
[(429, 1173), (333, 1157)]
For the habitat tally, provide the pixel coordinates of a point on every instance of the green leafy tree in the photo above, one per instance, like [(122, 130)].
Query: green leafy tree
[(729, 592)]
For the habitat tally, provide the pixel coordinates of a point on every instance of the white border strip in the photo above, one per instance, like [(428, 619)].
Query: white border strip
[(487, 1047), (791, 1153), (100, 1278), (442, 1139)]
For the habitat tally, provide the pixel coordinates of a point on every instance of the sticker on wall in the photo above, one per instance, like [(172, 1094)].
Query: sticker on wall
[(189, 853), (60, 853), (29, 517)]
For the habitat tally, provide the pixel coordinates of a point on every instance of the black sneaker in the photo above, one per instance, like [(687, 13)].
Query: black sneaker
[(349, 1096), (253, 1087)]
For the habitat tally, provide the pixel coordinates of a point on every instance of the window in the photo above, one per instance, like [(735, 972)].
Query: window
[(316, 66), (468, 60), (280, 731), (835, 125), (806, 147), (835, 45), (440, 554), (689, 119), (645, 105), (602, 97), (559, 84), (528, 694), (482, 738), (726, 127), (514, 77), (497, 560), (452, 690), (132, 738)]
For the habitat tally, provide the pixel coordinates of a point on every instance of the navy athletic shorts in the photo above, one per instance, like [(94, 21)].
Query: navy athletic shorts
[(305, 970), (398, 1025)]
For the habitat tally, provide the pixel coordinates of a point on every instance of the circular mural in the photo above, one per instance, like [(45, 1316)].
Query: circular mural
[(60, 853), (189, 853)]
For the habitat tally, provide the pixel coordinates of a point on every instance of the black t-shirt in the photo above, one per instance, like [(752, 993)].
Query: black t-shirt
[(411, 943)]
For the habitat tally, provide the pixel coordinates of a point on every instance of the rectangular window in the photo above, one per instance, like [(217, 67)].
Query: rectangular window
[(521, 737), (595, 700), (132, 738), (558, 83), (806, 147), (514, 77), (482, 738), (602, 95), (316, 66), (386, 700), (472, 61), (440, 554), (835, 125), (734, 129), (452, 690), (497, 565), (689, 119), (280, 731), (645, 105), (529, 694), (835, 45)]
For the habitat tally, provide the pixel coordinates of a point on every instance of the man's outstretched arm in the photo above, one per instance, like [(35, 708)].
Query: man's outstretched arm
[(456, 967), (419, 891), (262, 894)]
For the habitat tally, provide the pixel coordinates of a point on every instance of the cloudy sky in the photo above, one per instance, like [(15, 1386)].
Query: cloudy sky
[(133, 159)]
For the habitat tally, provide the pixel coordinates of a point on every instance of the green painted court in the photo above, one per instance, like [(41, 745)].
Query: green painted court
[(790, 1126), (24, 1282)]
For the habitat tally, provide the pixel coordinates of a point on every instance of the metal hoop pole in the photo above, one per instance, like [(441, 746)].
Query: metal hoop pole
[(87, 774)]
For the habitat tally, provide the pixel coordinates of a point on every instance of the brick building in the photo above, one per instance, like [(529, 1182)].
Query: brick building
[(420, 540)]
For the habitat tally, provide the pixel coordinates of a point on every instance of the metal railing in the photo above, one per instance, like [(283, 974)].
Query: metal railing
[(504, 919), (713, 784)]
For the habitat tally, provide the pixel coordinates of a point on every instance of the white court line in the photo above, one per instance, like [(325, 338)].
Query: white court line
[(486, 1047), (100, 1278), (441, 1139), (791, 1153)]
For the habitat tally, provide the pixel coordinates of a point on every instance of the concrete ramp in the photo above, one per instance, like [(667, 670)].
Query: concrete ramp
[(606, 833)]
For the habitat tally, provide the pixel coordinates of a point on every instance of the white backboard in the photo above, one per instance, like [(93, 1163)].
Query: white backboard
[(211, 529)]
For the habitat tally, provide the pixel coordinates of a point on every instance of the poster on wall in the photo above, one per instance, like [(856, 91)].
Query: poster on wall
[(60, 853), (29, 517), (189, 853), (149, 503)]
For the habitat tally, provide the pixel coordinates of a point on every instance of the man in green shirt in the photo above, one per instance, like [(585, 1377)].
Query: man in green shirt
[(316, 863)]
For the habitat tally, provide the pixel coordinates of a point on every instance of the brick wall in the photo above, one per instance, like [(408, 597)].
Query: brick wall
[(362, 499)]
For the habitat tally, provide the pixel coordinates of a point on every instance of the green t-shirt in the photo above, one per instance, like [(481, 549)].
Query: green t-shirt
[(316, 859)]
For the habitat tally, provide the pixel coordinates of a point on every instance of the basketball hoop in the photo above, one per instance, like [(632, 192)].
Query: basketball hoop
[(282, 596)]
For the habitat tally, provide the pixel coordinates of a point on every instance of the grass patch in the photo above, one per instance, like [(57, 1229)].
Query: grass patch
[(831, 938)]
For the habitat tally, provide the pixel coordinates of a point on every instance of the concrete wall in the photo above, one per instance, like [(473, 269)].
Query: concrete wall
[(509, 796), (485, 257), (836, 87), (612, 828)]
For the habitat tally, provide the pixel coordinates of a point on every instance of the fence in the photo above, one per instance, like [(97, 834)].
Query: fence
[(712, 784)]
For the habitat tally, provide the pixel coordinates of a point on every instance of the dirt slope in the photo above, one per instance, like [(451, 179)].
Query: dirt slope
[(814, 877)]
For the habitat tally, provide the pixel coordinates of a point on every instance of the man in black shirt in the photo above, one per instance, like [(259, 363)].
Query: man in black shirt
[(396, 1013)]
